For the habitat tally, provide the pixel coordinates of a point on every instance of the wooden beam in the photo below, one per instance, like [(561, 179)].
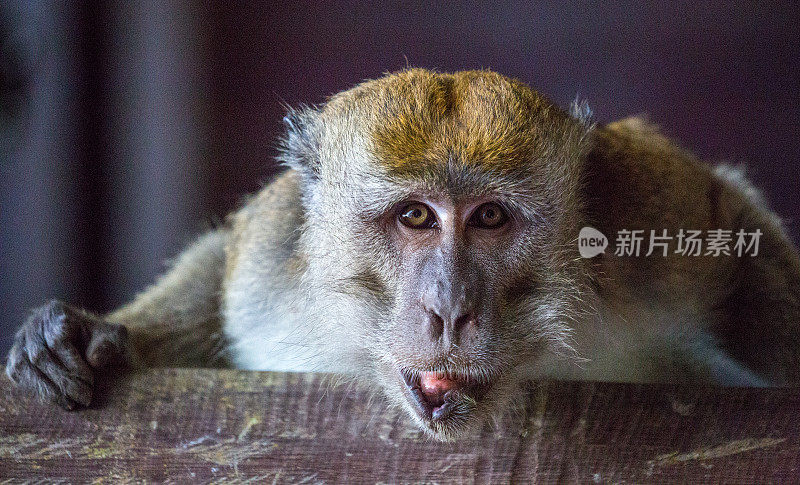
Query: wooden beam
[(214, 425)]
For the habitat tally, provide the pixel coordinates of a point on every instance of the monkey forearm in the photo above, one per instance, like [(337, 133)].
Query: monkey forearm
[(60, 350), (176, 321)]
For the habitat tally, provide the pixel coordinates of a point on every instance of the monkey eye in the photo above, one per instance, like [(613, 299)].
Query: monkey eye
[(488, 216), (417, 216)]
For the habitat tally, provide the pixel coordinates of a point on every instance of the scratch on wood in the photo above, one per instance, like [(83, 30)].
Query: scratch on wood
[(530, 436), (225, 452), (681, 407), (707, 453), (197, 441), (100, 448), (32, 447), (247, 427)]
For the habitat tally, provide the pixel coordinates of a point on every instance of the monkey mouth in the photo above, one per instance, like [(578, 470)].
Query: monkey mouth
[(439, 396)]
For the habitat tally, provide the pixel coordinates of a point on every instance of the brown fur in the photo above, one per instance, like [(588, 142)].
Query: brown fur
[(427, 118), (635, 178)]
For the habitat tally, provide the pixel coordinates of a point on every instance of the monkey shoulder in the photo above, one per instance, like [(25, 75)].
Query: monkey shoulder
[(265, 232), (263, 305)]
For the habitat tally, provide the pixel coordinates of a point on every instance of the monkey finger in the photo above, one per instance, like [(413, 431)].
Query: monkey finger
[(53, 370), (25, 375), (108, 346), (65, 351), (16, 358)]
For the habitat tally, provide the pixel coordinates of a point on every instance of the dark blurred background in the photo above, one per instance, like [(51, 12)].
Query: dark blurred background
[(129, 127)]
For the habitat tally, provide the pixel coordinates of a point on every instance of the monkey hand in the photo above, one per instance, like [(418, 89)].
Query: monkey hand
[(60, 350)]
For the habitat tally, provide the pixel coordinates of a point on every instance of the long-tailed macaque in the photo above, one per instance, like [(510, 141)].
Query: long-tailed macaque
[(426, 241)]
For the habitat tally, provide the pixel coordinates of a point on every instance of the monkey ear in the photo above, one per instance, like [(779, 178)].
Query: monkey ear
[(299, 147)]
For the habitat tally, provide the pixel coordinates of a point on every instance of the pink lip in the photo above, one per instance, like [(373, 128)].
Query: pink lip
[(436, 394)]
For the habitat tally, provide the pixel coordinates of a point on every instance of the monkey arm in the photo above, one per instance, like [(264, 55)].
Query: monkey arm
[(60, 350), (179, 320), (176, 321)]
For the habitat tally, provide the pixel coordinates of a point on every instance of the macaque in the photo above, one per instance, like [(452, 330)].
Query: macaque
[(424, 242)]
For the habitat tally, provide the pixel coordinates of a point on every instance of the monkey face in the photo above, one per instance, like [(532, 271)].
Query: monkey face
[(441, 212), (475, 300), (449, 297), (451, 345)]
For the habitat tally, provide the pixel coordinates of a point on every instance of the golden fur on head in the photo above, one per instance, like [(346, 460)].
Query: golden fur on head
[(425, 118)]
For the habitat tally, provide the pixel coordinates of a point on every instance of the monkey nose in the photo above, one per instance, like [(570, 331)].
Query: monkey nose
[(451, 327)]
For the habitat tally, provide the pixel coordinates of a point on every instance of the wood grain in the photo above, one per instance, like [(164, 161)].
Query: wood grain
[(197, 425)]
